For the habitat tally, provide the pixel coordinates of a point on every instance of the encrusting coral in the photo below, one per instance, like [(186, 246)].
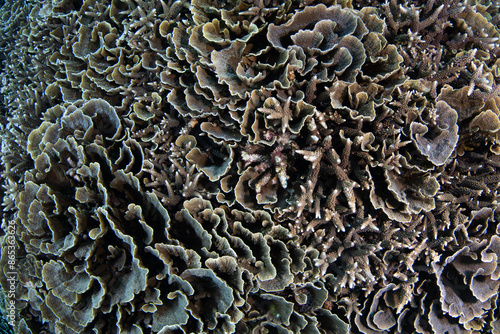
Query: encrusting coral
[(252, 166)]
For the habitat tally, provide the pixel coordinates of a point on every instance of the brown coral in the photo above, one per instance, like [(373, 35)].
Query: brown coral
[(252, 166)]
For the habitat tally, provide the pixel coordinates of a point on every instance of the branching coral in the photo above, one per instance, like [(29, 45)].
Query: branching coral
[(252, 166)]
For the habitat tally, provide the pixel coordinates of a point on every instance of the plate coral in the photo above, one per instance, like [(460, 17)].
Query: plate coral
[(251, 166)]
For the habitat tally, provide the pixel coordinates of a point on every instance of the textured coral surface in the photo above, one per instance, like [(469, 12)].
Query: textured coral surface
[(251, 166)]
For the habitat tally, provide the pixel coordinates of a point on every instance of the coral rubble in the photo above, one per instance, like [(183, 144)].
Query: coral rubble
[(252, 166)]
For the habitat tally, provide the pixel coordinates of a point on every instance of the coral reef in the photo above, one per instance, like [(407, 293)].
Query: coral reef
[(252, 166)]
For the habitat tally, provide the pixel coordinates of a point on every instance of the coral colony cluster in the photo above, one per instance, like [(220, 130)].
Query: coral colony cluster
[(252, 166)]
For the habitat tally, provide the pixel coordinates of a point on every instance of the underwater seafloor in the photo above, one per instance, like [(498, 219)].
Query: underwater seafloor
[(250, 166)]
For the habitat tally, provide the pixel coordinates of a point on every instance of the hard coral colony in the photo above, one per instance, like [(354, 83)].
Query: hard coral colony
[(252, 166)]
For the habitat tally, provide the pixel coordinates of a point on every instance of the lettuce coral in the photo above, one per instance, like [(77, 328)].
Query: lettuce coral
[(251, 166)]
